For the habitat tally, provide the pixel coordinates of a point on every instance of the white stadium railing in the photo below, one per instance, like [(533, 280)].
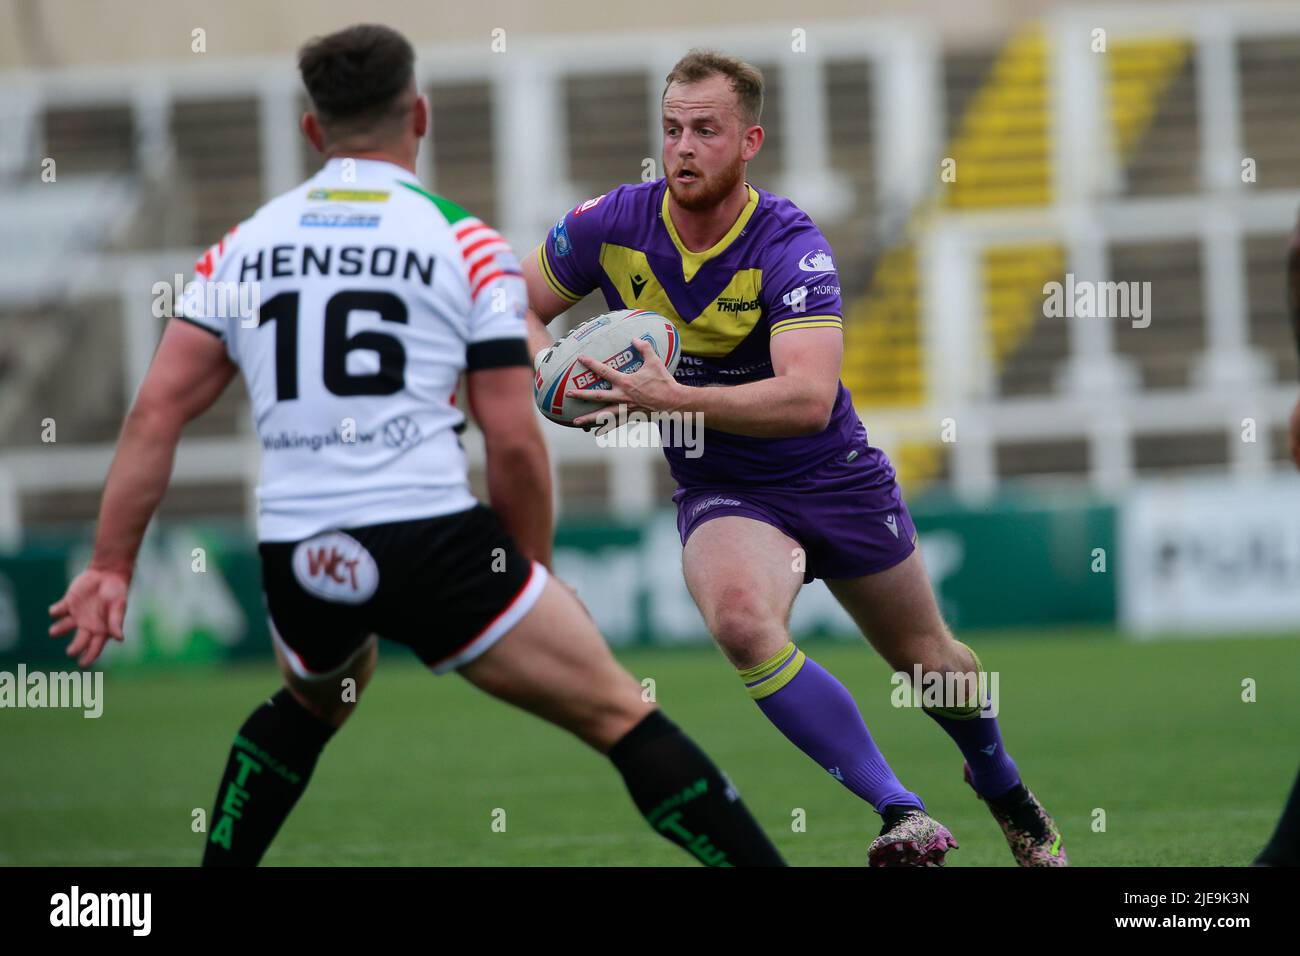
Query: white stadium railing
[(1097, 400)]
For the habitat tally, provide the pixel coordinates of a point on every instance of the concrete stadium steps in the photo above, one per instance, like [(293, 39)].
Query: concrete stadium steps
[(852, 118), (217, 176), (184, 501), (1002, 148), (1270, 102), (1167, 352), (1013, 292), (1001, 96), (1138, 74), (82, 393), (851, 113), (98, 139), (1154, 117), (1269, 323), (608, 129), (1001, 145), (882, 350), (463, 152)]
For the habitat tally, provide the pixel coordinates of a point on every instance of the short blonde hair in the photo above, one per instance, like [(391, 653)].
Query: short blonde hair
[(746, 80)]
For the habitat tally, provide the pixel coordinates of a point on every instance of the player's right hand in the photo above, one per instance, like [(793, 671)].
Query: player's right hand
[(95, 607)]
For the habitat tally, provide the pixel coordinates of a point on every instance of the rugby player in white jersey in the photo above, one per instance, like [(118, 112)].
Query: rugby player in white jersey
[(375, 297)]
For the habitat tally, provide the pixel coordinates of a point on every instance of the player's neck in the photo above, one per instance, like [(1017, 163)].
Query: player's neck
[(381, 155), (701, 229)]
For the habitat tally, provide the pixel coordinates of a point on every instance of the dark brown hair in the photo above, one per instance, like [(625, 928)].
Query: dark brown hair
[(356, 75), (746, 81)]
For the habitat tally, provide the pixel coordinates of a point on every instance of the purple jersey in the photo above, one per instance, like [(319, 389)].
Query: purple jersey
[(771, 273)]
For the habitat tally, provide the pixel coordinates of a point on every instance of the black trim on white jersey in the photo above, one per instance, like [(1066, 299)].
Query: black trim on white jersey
[(199, 325), (497, 353)]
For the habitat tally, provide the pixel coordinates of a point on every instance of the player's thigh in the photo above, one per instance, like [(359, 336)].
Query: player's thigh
[(324, 646), (744, 575), (554, 663), (897, 612), (331, 697)]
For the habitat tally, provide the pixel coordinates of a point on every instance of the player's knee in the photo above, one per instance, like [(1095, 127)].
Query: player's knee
[(941, 656), (742, 620), (332, 713), (933, 651), (942, 653), (332, 702)]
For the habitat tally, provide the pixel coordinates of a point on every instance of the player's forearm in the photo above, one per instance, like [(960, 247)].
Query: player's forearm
[(137, 480), (539, 337), (779, 407), (519, 487)]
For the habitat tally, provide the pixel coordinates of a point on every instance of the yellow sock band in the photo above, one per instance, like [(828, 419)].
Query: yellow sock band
[(765, 679)]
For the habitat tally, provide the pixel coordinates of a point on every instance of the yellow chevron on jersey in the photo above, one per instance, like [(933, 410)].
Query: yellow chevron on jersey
[(720, 326), (692, 261)]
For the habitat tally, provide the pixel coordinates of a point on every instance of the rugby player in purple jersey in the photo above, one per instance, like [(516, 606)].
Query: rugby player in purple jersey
[(787, 488)]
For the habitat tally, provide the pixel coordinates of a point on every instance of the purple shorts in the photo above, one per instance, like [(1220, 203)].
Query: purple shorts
[(847, 513)]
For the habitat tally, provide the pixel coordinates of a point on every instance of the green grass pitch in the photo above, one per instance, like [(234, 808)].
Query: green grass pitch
[(1156, 735)]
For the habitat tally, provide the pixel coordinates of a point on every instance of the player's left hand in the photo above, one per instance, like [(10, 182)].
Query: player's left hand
[(95, 606), (651, 388)]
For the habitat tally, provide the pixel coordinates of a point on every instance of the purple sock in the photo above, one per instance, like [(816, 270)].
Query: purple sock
[(992, 770), (820, 717)]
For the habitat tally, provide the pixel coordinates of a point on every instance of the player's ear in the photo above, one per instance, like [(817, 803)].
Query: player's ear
[(751, 142), (310, 127), (420, 116)]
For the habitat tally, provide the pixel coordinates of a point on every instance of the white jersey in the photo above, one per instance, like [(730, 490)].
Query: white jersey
[(352, 304)]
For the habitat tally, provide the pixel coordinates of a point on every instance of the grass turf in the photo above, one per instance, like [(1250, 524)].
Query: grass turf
[(1156, 735)]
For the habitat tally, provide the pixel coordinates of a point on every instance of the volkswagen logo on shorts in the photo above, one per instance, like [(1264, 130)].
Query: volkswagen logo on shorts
[(401, 432), (337, 567)]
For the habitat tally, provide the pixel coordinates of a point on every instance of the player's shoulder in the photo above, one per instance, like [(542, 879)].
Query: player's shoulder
[(469, 232), (788, 236), (211, 260), (253, 228), (782, 221), (445, 211), (625, 204), (624, 215)]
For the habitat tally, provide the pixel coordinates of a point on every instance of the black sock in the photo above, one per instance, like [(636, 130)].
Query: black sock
[(686, 798), (1284, 848), (269, 766), (1013, 798)]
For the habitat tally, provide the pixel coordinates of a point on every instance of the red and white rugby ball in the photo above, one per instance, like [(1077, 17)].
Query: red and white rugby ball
[(607, 338)]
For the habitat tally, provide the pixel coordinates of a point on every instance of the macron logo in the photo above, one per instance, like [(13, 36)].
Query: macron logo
[(102, 909), (892, 524)]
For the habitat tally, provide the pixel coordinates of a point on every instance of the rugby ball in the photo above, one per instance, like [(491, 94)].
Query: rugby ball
[(607, 338)]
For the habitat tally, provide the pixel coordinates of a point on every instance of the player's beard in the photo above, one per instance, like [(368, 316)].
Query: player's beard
[(710, 190)]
